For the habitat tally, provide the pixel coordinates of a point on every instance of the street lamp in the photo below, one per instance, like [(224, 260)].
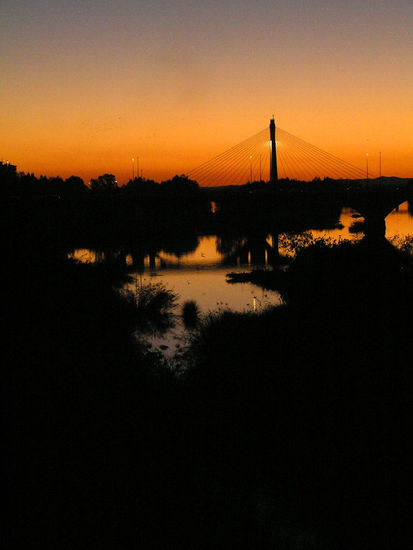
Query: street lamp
[(367, 166), (133, 168), (250, 168)]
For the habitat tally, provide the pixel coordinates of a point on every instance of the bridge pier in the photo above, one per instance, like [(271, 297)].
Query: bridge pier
[(375, 203), (375, 227)]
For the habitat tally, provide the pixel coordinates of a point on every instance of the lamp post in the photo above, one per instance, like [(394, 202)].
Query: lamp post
[(250, 168), (367, 166), (133, 168)]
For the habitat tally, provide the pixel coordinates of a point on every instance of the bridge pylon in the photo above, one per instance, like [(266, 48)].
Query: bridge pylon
[(273, 163)]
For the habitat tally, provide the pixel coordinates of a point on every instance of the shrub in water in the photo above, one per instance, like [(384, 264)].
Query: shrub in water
[(190, 314)]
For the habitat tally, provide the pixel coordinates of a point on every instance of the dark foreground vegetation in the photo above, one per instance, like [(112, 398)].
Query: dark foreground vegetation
[(288, 429)]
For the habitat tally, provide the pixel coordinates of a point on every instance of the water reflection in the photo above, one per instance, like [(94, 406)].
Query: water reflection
[(195, 267), (399, 222), (208, 287)]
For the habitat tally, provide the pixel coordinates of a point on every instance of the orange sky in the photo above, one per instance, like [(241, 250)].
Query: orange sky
[(88, 85)]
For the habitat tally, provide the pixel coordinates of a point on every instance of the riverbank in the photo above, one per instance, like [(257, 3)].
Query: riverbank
[(276, 426)]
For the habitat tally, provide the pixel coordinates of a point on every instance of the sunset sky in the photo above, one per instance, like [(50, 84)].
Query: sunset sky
[(88, 84)]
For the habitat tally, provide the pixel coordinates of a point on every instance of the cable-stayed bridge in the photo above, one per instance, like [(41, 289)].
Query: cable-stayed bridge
[(269, 156), (277, 155)]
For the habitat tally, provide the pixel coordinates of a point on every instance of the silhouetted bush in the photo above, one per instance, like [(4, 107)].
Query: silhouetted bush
[(190, 314), (154, 305)]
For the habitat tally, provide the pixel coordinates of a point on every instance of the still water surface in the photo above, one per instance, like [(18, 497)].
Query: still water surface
[(200, 275)]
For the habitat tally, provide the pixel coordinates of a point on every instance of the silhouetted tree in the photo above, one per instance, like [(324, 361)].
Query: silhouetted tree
[(8, 178), (106, 182), (180, 185), (75, 185), (141, 186), (54, 186)]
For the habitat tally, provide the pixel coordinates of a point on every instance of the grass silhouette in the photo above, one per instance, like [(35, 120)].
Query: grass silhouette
[(190, 314)]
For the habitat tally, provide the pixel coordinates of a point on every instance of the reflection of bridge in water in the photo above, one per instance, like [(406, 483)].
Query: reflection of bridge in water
[(267, 247), (254, 250), (230, 251)]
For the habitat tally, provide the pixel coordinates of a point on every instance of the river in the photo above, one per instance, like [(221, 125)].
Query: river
[(200, 274)]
